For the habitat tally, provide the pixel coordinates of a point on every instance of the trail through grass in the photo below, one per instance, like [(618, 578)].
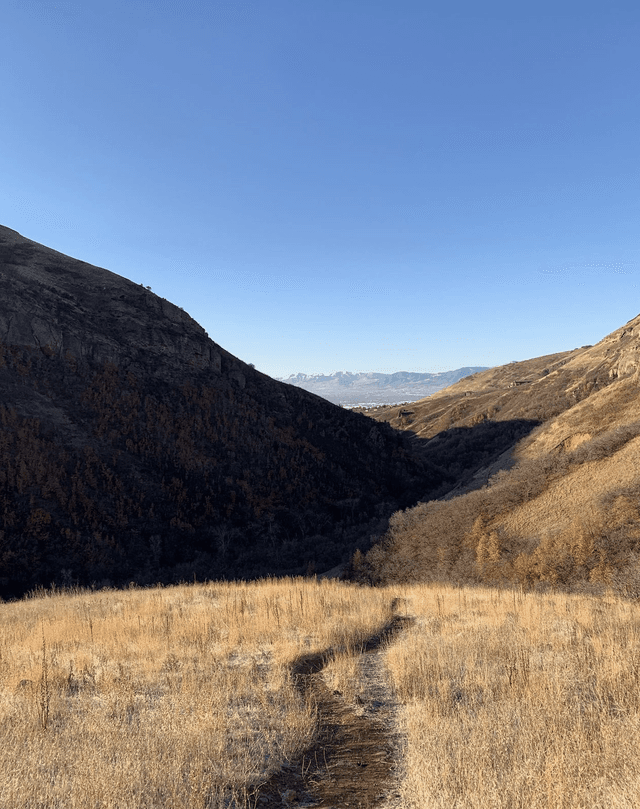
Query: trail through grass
[(186, 697)]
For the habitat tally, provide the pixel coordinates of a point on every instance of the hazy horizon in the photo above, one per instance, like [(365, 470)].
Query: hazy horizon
[(369, 371)]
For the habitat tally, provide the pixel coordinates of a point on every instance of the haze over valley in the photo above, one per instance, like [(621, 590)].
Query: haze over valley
[(374, 389)]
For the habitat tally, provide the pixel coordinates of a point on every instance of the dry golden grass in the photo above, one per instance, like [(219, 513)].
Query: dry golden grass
[(574, 485), (519, 700), (577, 493), (176, 697), (543, 502), (181, 697)]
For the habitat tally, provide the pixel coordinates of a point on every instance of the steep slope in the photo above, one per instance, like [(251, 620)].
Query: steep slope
[(132, 447), (370, 389), (565, 507), (535, 389)]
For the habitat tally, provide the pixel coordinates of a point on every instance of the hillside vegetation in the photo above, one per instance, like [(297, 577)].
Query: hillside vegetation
[(134, 448), (120, 477), (560, 506)]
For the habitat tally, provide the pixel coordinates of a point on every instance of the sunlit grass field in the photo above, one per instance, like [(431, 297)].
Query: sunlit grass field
[(169, 697), (519, 700), (182, 697)]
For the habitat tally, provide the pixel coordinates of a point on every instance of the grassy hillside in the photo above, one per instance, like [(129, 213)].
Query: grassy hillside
[(560, 505)]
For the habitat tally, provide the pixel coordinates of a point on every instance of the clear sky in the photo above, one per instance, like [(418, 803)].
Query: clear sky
[(362, 185)]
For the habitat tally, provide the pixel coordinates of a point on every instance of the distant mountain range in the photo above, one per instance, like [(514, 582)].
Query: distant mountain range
[(371, 389)]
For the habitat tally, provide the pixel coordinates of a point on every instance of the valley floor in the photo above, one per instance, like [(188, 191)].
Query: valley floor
[(301, 692)]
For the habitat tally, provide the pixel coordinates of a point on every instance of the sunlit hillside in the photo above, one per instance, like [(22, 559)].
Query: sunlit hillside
[(560, 506)]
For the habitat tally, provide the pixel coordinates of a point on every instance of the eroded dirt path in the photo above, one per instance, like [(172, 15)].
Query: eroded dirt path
[(351, 761)]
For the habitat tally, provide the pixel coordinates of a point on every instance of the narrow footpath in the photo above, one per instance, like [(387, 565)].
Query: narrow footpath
[(351, 760)]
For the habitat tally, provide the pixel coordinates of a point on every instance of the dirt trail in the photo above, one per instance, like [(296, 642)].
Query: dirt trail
[(350, 763)]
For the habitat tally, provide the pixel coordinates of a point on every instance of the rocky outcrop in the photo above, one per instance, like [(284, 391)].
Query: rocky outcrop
[(67, 307)]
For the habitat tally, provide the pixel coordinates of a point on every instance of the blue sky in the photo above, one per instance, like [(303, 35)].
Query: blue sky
[(324, 185)]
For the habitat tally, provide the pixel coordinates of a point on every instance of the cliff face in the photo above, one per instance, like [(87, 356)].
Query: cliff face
[(49, 300), (132, 447)]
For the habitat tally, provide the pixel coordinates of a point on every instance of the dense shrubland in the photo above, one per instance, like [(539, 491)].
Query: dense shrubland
[(109, 476), (587, 537)]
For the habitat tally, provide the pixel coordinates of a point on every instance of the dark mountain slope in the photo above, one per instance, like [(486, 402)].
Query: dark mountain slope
[(134, 447)]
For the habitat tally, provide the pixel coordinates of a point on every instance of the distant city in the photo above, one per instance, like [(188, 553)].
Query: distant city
[(374, 389)]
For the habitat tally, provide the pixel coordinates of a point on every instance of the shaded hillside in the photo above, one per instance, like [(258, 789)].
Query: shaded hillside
[(561, 506), (132, 447)]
